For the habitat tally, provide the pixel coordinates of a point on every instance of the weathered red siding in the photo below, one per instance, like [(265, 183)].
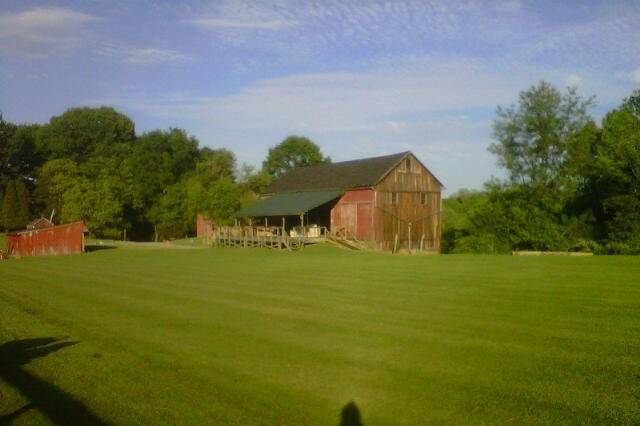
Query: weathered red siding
[(354, 212), (204, 226), (408, 197), (416, 207), (62, 239)]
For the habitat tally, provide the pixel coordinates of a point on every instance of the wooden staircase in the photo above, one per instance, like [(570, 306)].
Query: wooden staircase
[(343, 238)]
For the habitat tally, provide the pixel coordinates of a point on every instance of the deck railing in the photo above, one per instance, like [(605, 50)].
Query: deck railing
[(266, 236)]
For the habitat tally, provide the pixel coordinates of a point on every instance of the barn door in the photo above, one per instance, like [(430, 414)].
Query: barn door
[(350, 218), (363, 223)]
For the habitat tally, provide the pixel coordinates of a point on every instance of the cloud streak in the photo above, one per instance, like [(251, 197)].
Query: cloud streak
[(213, 23), (43, 32), (142, 55), (599, 35)]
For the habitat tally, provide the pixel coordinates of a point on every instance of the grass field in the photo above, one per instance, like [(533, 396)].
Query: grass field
[(215, 336)]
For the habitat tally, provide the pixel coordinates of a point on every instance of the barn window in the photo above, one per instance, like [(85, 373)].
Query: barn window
[(407, 164), (423, 198), (395, 198)]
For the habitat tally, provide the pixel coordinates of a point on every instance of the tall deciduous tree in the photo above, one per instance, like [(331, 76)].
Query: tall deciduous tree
[(533, 137), (615, 173), (7, 131), (15, 205), (23, 215), (99, 203), (8, 214), (215, 164), (294, 151), (54, 179), (81, 133)]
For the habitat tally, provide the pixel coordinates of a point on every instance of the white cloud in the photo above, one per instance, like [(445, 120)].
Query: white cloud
[(42, 32), (574, 80), (312, 26), (609, 38), (424, 105), (142, 55), (299, 32), (635, 75), (212, 23), (348, 101)]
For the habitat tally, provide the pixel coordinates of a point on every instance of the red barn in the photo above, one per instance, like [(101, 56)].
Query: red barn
[(388, 201), (55, 240)]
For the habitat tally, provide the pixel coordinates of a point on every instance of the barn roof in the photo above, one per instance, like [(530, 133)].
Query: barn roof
[(289, 203), (41, 222), (362, 173)]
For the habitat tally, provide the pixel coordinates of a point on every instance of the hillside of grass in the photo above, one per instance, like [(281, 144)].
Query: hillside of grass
[(242, 337)]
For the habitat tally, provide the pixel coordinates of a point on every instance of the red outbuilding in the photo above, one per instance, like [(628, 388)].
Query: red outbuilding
[(55, 240), (204, 226)]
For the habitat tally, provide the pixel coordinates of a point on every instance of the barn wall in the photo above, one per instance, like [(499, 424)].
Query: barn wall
[(63, 239), (354, 212), (409, 183), (204, 226)]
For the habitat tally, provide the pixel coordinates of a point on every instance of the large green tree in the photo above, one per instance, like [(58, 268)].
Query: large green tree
[(22, 210), (533, 137), (100, 203), (613, 174), (7, 130), (81, 133), (215, 164), (8, 213), (157, 160), (294, 151), (55, 177), (18, 157), (14, 213)]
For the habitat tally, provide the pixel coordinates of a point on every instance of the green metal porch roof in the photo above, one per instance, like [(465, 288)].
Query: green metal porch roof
[(289, 203)]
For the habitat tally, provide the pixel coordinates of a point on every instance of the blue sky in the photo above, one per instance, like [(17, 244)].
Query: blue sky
[(359, 78)]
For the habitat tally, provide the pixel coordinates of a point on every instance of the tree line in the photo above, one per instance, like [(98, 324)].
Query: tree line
[(571, 184), (89, 164)]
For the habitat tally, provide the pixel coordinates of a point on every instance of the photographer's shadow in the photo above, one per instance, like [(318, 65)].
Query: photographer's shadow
[(350, 415), (59, 406)]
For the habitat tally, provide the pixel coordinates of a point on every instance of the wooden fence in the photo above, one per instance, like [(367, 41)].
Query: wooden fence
[(273, 237)]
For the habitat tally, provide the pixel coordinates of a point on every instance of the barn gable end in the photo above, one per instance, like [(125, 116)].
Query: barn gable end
[(408, 203)]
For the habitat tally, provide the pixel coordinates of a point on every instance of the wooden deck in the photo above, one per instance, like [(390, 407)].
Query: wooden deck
[(265, 237), (274, 237)]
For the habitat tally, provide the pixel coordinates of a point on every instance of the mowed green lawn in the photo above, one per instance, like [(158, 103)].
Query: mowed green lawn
[(232, 336)]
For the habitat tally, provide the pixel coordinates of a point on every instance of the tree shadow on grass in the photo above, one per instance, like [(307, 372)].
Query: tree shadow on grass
[(59, 406), (350, 415), (97, 247)]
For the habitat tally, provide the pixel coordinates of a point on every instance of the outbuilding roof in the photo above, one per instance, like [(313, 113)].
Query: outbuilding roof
[(289, 203), (41, 222), (362, 173)]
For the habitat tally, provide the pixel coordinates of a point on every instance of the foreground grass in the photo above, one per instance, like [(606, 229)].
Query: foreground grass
[(217, 336)]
